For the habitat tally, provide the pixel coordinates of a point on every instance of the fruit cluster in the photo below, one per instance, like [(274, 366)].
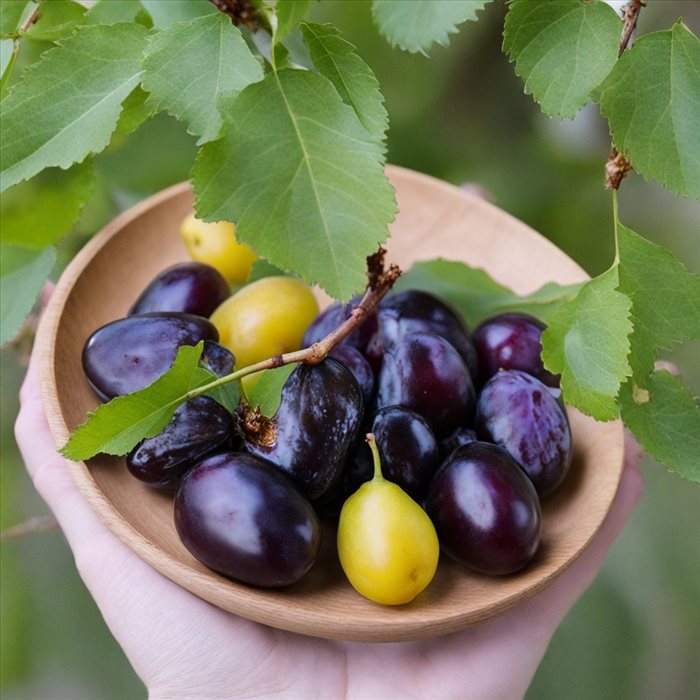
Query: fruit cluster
[(467, 432)]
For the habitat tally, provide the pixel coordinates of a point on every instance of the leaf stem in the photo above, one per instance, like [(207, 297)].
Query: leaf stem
[(615, 227), (9, 68)]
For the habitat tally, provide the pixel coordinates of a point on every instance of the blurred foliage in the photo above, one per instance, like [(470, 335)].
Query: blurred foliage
[(460, 115)]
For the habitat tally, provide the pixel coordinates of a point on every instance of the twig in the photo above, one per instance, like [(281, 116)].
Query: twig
[(630, 15), (41, 523), (243, 12)]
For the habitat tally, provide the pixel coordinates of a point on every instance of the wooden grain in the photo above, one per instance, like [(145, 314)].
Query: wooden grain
[(435, 220)]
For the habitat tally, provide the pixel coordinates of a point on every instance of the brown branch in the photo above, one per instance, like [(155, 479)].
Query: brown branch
[(630, 15), (242, 12), (41, 523)]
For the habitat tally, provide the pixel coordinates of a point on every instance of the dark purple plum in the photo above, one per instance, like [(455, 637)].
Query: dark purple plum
[(197, 428), (317, 421), (217, 359), (461, 436), (517, 412), (355, 361), (127, 355), (191, 288), (424, 373), (485, 510), (512, 341), (243, 518), (414, 311)]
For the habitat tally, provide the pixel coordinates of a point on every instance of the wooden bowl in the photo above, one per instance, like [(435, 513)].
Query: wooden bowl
[(435, 220)]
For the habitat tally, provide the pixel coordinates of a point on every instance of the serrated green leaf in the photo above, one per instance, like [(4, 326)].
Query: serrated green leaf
[(477, 296), (116, 427), (562, 49), (57, 19), (68, 104), (40, 211), (652, 101), (266, 392), (666, 422), (190, 66), (665, 299), (11, 12), (22, 276), (415, 25), (315, 198), (136, 109), (261, 268), (337, 59), (289, 14), (167, 12), (587, 342), (115, 11)]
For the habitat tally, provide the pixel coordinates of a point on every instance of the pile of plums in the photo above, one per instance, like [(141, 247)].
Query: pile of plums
[(470, 425)]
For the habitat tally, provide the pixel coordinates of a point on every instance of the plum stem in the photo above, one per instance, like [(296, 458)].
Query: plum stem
[(378, 476)]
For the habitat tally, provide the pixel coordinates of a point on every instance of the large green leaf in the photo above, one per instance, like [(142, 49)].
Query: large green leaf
[(11, 12), (68, 104), (302, 179), (665, 299), (166, 12), (116, 427), (666, 422), (38, 212), (415, 25), (587, 342), (57, 19), (337, 59), (289, 14), (477, 295), (562, 49), (115, 11), (652, 101), (22, 275), (190, 66), (136, 108)]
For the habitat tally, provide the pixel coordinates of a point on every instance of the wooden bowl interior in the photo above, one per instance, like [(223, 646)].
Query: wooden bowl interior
[(435, 220)]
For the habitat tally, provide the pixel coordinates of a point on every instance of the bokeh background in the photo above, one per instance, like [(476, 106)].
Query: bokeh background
[(460, 115)]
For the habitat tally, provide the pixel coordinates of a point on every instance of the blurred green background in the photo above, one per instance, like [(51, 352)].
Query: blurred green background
[(460, 115)]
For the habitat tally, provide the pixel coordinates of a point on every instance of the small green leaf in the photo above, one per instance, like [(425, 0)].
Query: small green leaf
[(337, 59), (652, 101), (562, 49), (320, 181), (58, 19), (477, 296), (68, 104), (115, 11), (22, 275), (665, 300), (116, 427), (267, 391), (171, 11), (587, 342), (11, 12), (190, 66), (416, 25), (40, 211), (667, 425), (136, 109), (289, 14)]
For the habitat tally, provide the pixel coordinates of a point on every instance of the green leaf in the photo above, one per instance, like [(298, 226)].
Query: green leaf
[(115, 11), (136, 109), (289, 14), (665, 299), (261, 268), (320, 180), (68, 104), (190, 66), (171, 11), (666, 422), (587, 342), (116, 427), (6, 48), (58, 19), (562, 49), (38, 212), (266, 392), (477, 296), (22, 275), (11, 12), (415, 25), (652, 101), (337, 59)]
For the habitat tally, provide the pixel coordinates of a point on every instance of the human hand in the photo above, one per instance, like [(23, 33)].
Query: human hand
[(183, 647)]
